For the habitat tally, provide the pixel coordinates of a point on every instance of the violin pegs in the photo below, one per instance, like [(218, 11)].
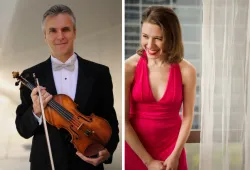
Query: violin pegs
[(17, 83)]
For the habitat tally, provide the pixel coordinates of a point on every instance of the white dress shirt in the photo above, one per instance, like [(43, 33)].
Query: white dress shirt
[(65, 80)]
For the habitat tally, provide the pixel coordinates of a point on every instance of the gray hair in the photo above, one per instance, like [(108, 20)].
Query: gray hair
[(58, 9)]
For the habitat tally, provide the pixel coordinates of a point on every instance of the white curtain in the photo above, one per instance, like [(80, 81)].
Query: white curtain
[(225, 85)]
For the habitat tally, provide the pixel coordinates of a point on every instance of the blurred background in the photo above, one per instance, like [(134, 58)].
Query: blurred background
[(99, 39)]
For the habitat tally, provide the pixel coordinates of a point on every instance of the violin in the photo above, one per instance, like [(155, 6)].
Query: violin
[(89, 134)]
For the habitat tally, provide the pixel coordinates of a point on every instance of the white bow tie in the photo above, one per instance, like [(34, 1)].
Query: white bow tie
[(70, 66)]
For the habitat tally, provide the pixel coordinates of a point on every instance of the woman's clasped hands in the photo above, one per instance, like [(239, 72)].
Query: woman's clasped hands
[(171, 163)]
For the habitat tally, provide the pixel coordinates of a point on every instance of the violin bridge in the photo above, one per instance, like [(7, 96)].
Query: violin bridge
[(87, 131), (80, 126)]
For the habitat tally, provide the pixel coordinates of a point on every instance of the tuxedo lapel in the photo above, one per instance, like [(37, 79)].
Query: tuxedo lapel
[(84, 83), (49, 82)]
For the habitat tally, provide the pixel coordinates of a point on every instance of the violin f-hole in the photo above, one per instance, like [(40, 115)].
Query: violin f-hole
[(77, 136), (90, 119)]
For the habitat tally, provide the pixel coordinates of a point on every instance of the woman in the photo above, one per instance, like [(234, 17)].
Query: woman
[(157, 82)]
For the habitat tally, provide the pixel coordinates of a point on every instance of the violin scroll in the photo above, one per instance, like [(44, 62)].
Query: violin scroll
[(17, 76), (22, 80)]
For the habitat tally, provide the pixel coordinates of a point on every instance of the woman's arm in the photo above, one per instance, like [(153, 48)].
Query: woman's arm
[(189, 91), (130, 135)]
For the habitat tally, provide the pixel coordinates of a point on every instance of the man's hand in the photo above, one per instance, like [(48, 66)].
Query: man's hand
[(46, 97), (103, 155)]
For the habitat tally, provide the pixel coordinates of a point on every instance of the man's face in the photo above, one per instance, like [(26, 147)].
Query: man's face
[(60, 34)]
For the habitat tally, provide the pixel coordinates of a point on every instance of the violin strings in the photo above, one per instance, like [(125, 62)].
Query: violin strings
[(59, 109), (65, 113)]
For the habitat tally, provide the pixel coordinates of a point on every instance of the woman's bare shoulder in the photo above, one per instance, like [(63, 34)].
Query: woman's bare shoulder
[(185, 64), (131, 63), (130, 66), (188, 71)]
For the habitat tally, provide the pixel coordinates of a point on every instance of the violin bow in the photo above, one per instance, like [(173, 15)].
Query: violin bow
[(44, 123)]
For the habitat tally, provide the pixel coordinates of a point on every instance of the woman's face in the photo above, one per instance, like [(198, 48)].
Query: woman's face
[(152, 40)]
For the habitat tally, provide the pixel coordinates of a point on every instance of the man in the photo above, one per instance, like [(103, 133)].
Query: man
[(88, 84)]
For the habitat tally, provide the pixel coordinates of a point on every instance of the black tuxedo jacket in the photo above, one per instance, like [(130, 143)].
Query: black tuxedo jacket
[(94, 94)]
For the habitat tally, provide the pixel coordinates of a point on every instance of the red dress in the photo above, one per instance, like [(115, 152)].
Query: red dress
[(157, 123)]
